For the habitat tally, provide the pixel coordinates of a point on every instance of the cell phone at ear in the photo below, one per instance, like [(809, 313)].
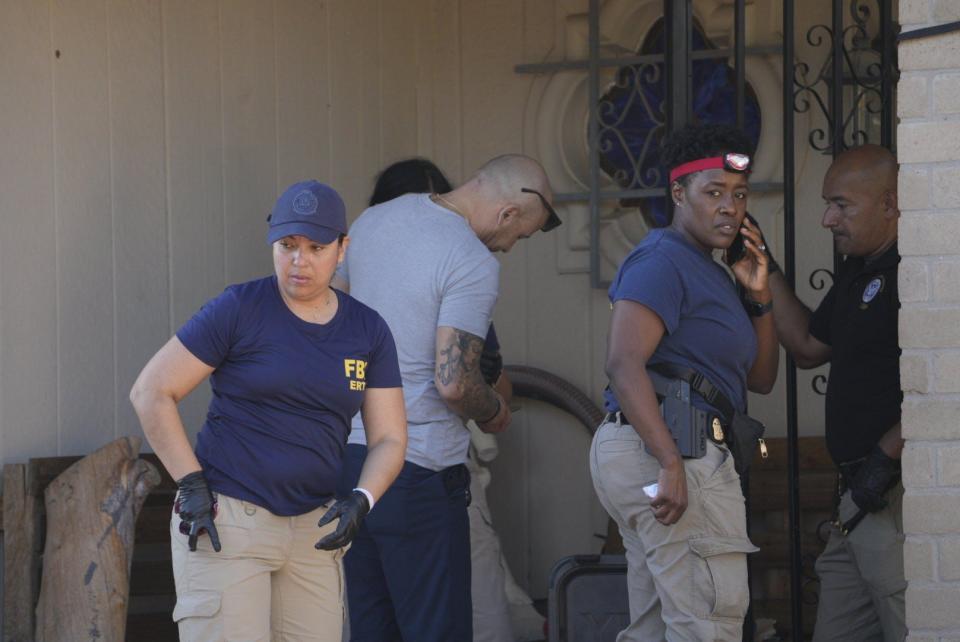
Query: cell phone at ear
[(736, 250)]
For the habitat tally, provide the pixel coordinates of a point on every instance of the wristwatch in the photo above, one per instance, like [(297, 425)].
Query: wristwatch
[(755, 309)]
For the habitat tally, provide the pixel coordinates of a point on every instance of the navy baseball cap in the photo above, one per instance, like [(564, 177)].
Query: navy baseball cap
[(310, 209)]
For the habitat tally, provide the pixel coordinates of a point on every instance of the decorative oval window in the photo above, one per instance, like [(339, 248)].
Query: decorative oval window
[(632, 118)]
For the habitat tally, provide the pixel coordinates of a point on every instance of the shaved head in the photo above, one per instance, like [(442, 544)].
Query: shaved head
[(860, 190), (871, 163), (505, 175), (500, 203)]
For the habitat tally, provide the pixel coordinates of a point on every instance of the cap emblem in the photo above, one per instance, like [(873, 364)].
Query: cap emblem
[(305, 203)]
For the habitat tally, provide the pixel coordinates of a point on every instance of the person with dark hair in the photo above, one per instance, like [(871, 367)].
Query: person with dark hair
[(410, 176), (854, 328), (290, 361), (424, 262), (682, 351)]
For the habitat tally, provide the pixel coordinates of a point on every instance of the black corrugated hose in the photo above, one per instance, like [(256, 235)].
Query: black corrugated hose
[(534, 383)]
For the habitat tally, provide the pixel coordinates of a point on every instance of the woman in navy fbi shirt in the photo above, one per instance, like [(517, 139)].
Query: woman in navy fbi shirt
[(290, 361)]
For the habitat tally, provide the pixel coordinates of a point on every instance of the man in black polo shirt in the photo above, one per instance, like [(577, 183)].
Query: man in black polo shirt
[(855, 329)]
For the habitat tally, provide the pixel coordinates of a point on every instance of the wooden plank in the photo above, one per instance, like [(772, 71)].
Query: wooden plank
[(21, 560), (350, 174), (28, 263), (493, 96), (138, 195), (768, 490), (194, 151), (194, 154), (398, 79), (373, 67), (447, 110), (151, 626), (249, 135), (425, 35), (84, 240), (153, 577), (775, 550), (303, 109)]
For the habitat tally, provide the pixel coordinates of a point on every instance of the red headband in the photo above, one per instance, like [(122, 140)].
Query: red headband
[(739, 163)]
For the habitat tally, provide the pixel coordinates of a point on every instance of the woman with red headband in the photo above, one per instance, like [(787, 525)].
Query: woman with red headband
[(677, 317)]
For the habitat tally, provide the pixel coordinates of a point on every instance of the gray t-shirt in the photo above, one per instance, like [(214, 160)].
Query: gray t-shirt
[(421, 266)]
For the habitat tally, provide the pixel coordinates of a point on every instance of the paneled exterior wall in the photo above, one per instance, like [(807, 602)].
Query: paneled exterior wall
[(142, 143)]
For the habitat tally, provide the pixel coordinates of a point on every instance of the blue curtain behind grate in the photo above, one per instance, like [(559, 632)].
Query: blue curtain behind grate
[(635, 140)]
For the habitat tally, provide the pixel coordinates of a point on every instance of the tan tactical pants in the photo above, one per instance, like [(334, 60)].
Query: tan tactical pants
[(861, 577), (267, 583), (687, 582)]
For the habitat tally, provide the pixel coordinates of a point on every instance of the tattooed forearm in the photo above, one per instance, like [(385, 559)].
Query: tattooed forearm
[(459, 355), (458, 375)]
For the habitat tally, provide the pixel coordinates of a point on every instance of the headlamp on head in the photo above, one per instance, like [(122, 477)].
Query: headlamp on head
[(730, 162)]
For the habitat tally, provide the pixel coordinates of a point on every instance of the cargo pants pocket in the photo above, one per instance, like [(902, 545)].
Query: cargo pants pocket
[(198, 617), (196, 604), (719, 576)]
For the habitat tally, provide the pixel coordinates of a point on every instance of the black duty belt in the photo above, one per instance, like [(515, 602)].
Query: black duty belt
[(717, 433)]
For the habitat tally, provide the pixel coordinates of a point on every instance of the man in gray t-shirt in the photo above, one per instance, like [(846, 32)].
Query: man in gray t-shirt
[(422, 267), (424, 263)]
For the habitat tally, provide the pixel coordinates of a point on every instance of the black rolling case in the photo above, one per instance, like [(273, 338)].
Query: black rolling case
[(588, 600)]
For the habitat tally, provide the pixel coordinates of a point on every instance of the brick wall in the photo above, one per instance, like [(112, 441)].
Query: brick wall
[(928, 141)]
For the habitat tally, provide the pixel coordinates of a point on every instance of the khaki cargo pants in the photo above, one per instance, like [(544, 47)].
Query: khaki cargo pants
[(267, 583), (861, 577), (687, 582)]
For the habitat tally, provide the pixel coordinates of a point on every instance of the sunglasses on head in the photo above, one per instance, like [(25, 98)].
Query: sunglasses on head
[(552, 219)]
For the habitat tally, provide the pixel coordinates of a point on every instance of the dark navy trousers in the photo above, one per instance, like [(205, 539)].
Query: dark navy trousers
[(408, 569)]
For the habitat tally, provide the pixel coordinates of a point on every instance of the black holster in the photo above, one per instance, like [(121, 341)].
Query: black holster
[(741, 433), (742, 436)]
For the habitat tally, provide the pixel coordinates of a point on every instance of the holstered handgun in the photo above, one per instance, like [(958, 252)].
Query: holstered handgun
[(686, 422), (691, 427)]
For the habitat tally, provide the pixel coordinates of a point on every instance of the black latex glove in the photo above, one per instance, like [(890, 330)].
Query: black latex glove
[(196, 506), (877, 474), (491, 365), (351, 512)]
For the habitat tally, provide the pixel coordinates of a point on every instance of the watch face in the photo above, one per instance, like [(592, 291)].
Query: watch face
[(759, 309)]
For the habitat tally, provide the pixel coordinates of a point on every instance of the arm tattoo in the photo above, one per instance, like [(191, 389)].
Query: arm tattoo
[(459, 365)]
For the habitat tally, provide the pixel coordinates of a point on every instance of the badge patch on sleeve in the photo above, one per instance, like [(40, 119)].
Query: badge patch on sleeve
[(873, 289)]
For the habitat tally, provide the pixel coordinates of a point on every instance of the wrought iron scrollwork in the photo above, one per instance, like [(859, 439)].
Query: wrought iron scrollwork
[(627, 94), (819, 384), (818, 281), (861, 82), (818, 278)]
